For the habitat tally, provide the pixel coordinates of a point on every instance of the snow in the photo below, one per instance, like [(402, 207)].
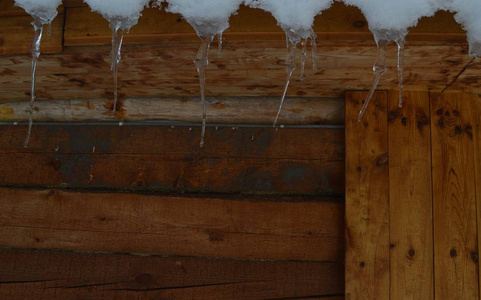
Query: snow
[(45, 10), (125, 13), (468, 14), (297, 16), (206, 16), (393, 17)]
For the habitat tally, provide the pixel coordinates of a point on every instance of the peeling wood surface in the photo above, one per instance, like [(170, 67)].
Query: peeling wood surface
[(172, 225), (27, 274), (222, 110)]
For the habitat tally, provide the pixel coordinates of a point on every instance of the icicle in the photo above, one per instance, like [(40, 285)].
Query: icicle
[(35, 50), (292, 39), (201, 61), (115, 55), (219, 50), (314, 50), (400, 68), (378, 69), (303, 58)]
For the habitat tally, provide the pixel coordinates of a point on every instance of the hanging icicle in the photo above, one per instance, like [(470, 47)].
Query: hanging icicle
[(121, 15), (208, 18), (43, 13)]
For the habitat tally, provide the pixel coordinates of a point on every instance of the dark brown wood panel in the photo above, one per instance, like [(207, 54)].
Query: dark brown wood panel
[(300, 161), (203, 225), (27, 274)]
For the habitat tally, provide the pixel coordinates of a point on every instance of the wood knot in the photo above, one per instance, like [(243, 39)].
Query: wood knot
[(453, 252), (474, 256), (359, 169), (392, 245), (439, 112), (57, 164), (382, 160), (51, 193), (359, 24), (404, 121), (362, 264), (411, 253)]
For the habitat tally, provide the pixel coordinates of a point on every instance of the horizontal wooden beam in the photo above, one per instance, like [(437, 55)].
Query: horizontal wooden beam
[(250, 160), (222, 110), (253, 228), (27, 274)]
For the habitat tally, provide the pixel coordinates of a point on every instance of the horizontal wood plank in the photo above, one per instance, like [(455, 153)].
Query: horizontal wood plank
[(226, 110), (172, 225), (27, 274), (300, 161)]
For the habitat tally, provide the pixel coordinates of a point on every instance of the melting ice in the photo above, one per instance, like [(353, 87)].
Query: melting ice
[(122, 15), (389, 20), (296, 18), (43, 12), (209, 18)]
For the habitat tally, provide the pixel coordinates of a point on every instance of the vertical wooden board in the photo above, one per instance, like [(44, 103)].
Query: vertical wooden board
[(477, 154), (410, 197), (454, 204), (367, 202)]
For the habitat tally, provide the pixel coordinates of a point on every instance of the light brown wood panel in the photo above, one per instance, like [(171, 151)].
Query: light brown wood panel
[(297, 161), (454, 196), (27, 274), (225, 110), (367, 198), (410, 198), (246, 69), (203, 225)]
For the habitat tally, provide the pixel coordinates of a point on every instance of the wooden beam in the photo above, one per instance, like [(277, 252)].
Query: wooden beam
[(410, 197), (200, 225), (228, 110), (476, 102), (454, 194), (252, 160), (27, 274), (367, 199)]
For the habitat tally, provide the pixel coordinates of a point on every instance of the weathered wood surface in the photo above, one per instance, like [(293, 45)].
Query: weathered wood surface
[(228, 110), (240, 227), (367, 199), (157, 60), (26, 274), (454, 197), (477, 154), (299, 161), (410, 197)]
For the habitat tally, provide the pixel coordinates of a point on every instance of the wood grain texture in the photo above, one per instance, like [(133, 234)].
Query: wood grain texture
[(410, 197), (225, 110), (454, 196), (476, 102), (211, 226), (16, 31), (367, 199), (299, 161), (27, 274)]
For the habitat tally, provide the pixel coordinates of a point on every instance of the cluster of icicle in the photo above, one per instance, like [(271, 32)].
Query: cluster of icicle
[(389, 20)]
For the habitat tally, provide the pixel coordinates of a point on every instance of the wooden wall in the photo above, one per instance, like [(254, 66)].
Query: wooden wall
[(413, 197)]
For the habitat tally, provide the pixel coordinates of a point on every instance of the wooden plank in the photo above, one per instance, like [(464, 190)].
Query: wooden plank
[(476, 102), (27, 274), (367, 198), (203, 225), (410, 197), (338, 22), (160, 157), (247, 69), (454, 188), (16, 31), (229, 110)]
